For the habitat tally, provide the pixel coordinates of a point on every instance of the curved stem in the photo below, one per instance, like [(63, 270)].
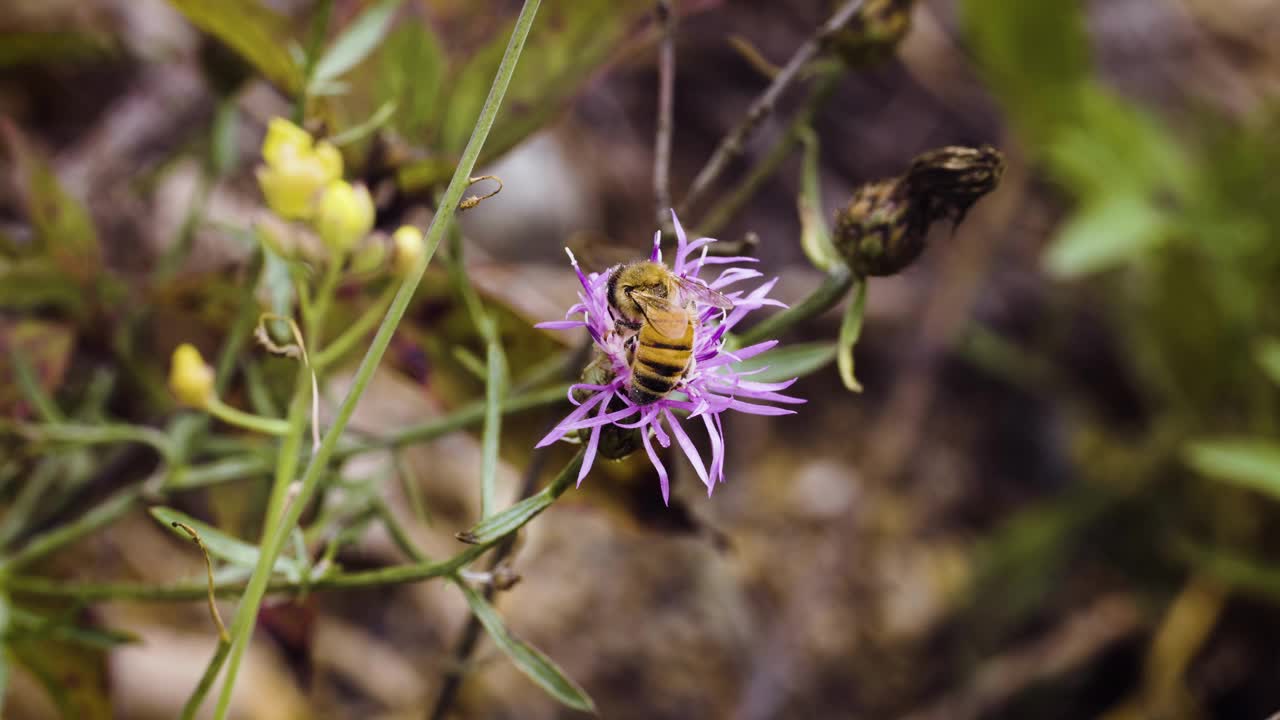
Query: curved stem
[(258, 582), (246, 420)]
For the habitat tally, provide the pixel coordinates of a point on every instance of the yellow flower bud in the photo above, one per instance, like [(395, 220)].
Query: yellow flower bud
[(409, 248), (344, 215), (190, 379), (284, 139), (296, 168)]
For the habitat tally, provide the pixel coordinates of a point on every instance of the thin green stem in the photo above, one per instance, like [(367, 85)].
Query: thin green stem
[(75, 434), (726, 208), (246, 420), (824, 298), (259, 581), (199, 589), (193, 704), (236, 467), (29, 384)]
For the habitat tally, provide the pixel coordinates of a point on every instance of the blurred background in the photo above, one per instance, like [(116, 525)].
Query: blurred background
[(1053, 499)]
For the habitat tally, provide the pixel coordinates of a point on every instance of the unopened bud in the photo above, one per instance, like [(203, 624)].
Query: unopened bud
[(951, 179), (344, 215), (874, 32), (408, 248), (296, 169), (190, 379), (884, 227)]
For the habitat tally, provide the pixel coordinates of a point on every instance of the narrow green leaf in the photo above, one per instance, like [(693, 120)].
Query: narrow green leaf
[(355, 43), (220, 544), (495, 527), (4, 651), (528, 659), (850, 330), (1104, 236), (257, 33), (495, 392), (1239, 571), (1268, 354), (27, 623), (1248, 462), (410, 75), (359, 132), (815, 235), (789, 361)]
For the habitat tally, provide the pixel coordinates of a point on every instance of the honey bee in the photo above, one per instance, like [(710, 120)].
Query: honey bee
[(661, 307)]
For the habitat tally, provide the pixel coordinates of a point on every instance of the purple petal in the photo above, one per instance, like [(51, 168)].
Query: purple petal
[(753, 409), (561, 429), (589, 455), (728, 259), (686, 444), (726, 357), (717, 449), (598, 419), (657, 465), (658, 432), (560, 324), (656, 254)]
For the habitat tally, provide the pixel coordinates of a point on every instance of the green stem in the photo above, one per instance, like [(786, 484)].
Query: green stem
[(725, 209), (356, 332), (400, 574), (468, 416), (258, 582), (193, 704), (824, 298), (248, 421), (75, 434)]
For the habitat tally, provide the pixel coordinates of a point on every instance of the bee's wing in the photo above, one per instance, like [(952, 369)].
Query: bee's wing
[(669, 319), (694, 290)]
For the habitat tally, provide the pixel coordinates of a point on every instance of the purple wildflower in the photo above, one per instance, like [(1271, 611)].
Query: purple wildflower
[(710, 386)]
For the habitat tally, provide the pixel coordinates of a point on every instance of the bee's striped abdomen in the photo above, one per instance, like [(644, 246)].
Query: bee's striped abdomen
[(659, 363)]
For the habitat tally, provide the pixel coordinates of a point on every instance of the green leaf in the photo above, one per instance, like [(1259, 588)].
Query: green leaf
[(1268, 354), (63, 227), (255, 32), (355, 43), (789, 361), (36, 282), (411, 74), (528, 659), (575, 38), (850, 330), (219, 544), (1104, 236), (1247, 462), (495, 527), (1239, 571), (815, 234), (1034, 54)]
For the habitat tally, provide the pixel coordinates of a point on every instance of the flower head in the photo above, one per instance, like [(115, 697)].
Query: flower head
[(710, 385), (296, 169), (190, 379)]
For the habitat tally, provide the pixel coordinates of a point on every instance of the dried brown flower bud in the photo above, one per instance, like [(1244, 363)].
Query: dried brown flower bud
[(883, 228), (951, 179)]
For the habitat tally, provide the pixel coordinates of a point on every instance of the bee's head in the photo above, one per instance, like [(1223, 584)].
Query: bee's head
[(650, 277)]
